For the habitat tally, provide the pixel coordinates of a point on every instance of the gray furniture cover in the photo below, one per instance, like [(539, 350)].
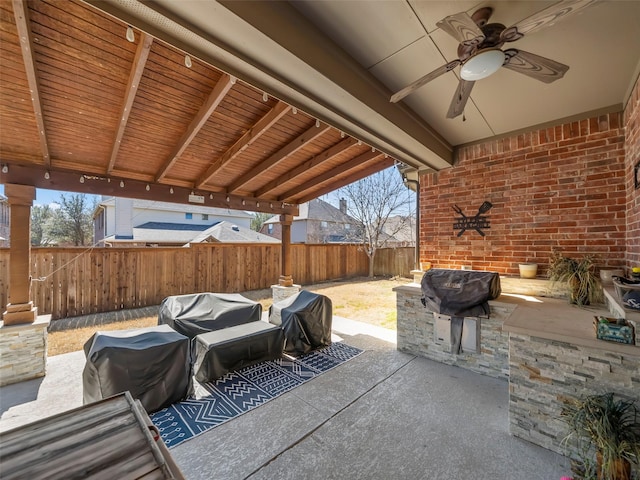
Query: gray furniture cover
[(153, 364), (198, 313), (306, 320), (223, 351), (461, 293)]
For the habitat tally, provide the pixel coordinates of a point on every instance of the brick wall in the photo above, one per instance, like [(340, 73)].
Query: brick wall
[(632, 153), (559, 187)]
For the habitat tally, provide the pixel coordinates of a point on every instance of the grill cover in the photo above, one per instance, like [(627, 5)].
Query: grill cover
[(306, 320), (199, 313), (461, 293), (153, 363)]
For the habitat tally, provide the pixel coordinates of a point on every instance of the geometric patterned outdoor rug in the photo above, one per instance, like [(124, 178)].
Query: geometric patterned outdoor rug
[(243, 390)]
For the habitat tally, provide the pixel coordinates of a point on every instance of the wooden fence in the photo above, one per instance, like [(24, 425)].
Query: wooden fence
[(69, 282)]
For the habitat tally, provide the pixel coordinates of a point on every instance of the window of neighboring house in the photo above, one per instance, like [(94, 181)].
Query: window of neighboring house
[(188, 216), (323, 224), (347, 226), (205, 216), (270, 228)]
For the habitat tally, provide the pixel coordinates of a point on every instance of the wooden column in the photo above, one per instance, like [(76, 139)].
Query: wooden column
[(20, 308), (286, 279)]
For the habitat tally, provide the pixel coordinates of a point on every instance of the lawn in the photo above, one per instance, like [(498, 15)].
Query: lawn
[(364, 299)]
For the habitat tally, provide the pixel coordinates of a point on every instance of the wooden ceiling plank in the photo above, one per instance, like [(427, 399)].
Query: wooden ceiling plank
[(310, 164), (329, 174), (347, 180), (216, 96), (21, 14), (250, 136), (318, 129), (139, 62)]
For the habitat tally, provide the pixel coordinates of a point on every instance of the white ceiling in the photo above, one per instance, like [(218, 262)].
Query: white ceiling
[(398, 42), (341, 60)]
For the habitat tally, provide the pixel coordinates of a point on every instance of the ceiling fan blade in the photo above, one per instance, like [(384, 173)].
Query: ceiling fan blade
[(396, 97), (462, 27), (460, 98), (534, 66), (544, 18)]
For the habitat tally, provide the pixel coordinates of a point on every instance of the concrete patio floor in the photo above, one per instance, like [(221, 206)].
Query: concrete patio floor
[(382, 415)]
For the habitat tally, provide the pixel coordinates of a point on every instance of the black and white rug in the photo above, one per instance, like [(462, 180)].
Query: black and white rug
[(243, 390)]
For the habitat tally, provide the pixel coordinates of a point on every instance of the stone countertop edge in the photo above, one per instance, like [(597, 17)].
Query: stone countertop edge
[(551, 319)]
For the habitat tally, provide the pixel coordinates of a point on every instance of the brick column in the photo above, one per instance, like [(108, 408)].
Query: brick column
[(20, 308), (286, 279)]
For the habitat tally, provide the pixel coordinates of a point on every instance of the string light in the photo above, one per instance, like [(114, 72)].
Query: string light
[(81, 178), (271, 205), (257, 204), (265, 97), (295, 110), (211, 196), (46, 175), (341, 134), (130, 35), (171, 190), (147, 188), (227, 198), (243, 202), (232, 80), (317, 123), (373, 149), (187, 61), (121, 184), (5, 169)]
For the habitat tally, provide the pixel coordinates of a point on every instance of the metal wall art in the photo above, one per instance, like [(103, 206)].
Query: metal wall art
[(478, 222)]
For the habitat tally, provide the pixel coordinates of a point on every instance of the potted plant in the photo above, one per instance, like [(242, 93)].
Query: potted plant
[(580, 277), (609, 426)]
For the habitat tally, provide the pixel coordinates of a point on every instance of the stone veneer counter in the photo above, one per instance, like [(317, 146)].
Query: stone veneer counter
[(545, 347), (554, 355), (416, 334)]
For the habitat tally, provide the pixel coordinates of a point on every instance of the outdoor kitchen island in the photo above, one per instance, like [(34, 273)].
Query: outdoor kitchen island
[(546, 349)]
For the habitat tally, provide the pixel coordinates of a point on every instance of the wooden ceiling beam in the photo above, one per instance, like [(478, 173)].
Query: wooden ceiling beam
[(72, 181), (250, 136), (376, 167), (310, 164), (137, 68), (328, 175), (216, 96), (21, 14), (317, 130)]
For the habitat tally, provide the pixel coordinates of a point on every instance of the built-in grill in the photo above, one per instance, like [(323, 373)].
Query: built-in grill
[(457, 299)]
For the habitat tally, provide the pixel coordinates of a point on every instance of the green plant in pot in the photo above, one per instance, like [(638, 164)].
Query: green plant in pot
[(610, 427), (579, 275)]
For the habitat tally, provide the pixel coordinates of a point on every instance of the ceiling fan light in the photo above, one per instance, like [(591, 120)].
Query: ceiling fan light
[(482, 65)]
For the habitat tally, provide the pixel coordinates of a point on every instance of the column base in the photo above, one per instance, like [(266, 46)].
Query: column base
[(21, 313), (23, 349), (279, 292)]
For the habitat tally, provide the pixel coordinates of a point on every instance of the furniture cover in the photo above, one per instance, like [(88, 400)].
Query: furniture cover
[(222, 351), (153, 363), (198, 313), (306, 320)]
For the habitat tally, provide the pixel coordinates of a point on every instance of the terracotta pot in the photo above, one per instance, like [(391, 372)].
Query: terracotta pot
[(620, 469)]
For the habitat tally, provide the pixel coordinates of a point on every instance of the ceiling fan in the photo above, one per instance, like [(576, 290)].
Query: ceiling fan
[(480, 54)]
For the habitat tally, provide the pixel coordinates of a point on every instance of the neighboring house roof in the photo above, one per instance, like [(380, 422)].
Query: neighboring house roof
[(182, 234), (227, 232), (177, 207), (318, 210)]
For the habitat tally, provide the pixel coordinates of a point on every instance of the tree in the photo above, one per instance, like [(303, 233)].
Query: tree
[(258, 220), (40, 217), (72, 222), (371, 201)]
